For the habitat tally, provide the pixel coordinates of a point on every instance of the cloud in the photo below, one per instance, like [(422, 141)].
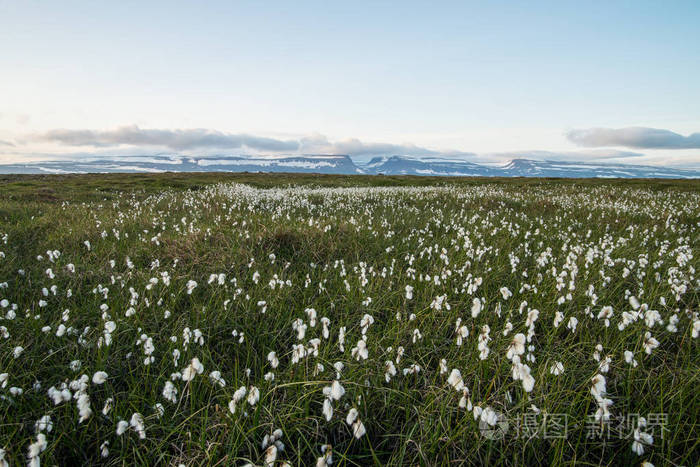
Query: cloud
[(6, 143), (591, 155), (319, 144), (177, 140), (203, 139), (633, 137)]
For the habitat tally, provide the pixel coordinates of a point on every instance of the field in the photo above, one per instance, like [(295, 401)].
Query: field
[(221, 319)]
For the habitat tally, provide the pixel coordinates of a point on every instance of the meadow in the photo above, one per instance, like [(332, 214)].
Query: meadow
[(253, 319)]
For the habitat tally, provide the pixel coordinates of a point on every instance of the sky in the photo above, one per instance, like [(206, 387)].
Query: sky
[(594, 80)]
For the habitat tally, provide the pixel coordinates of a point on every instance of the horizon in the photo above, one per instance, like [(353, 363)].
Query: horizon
[(604, 83)]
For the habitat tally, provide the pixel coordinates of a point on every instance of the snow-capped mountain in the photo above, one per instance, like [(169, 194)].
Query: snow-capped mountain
[(398, 165), (533, 168), (332, 164), (176, 163)]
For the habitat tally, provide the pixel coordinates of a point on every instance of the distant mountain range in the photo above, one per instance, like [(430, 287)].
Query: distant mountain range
[(387, 165)]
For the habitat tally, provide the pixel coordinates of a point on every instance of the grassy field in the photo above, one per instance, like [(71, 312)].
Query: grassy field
[(227, 319)]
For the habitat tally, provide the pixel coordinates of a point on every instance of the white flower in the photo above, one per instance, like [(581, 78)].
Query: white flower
[(84, 409), (170, 392), (327, 409), (352, 416), (557, 368), (43, 424), (36, 448), (505, 293), (517, 346), (191, 286), (476, 307), (272, 358), (136, 423), (215, 377), (122, 426), (640, 440), (253, 395), (99, 377), (649, 343), (358, 429), (104, 449), (409, 292), (337, 390), (193, 369), (390, 370), (270, 455), (359, 352), (455, 380)]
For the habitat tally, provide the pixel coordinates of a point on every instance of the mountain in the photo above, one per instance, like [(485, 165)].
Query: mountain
[(533, 168), (331, 164), (399, 165), (174, 163)]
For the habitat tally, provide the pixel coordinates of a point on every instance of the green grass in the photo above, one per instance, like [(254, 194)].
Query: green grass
[(324, 231)]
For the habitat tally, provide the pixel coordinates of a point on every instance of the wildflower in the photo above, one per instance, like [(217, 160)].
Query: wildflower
[(337, 391), (327, 458), (193, 369), (104, 449), (191, 286), (606, 313), (641, 439), (43, 424), (215, 377), (122, 426), (359, 352), (84, 409), (557, 368), (270, 455), (462, 332), (483, 342), (170, 392), (36, 448), (455, 380), (366, 322), (136, 423), (353, 420), (389, 370), (649, 343), (409, 292), (327, 409), (517, 346), (108, 406), (99, 377), (299, 326), (253, 395), (476, 307), (505, 293), (272, 358), (532, 316)]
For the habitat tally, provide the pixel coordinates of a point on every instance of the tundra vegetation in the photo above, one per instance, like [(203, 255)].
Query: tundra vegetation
[(212, 319)]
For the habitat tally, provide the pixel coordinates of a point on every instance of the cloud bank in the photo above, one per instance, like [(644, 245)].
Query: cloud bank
[(202, 139), (319, 144), (633, 137), (177, 140)]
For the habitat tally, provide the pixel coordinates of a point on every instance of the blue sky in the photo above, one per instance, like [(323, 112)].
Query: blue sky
[(490, 78)]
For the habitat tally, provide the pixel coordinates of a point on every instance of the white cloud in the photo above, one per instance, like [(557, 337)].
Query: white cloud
[(633, 137)]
